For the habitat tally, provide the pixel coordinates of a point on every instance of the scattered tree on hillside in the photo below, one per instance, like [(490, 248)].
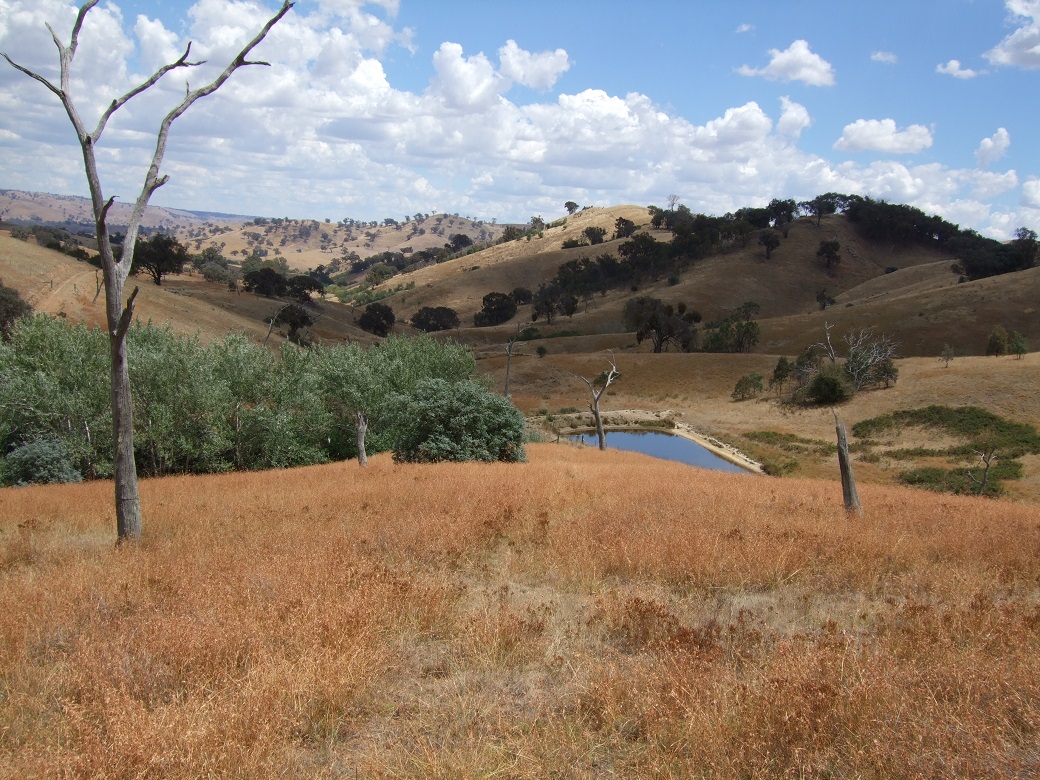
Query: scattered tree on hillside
[(782, 214), (119, 316), (736, 333), (947, 355), (296, 318), (377, 319), (266, 282), (998, 342), (661, 323), (1017, 345), (594, 234), (12, 309), (770, 239), (748, 386), (781, 373), (522, 295), (550, 299), (824, 299), (623, 228), (435, 318), (571, 206), (302, 286), (820, 206), (159, 256), (829, 252), (459, 241), (597, 387), (496, 308)]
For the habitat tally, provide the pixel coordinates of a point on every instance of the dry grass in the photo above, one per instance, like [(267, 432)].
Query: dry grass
[(582, 615)]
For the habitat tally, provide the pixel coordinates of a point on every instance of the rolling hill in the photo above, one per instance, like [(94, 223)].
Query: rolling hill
[(912, 294)]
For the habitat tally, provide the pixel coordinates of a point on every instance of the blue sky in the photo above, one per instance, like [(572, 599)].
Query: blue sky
[(506, 110)]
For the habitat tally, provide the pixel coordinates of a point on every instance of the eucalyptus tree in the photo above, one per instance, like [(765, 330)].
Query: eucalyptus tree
[(119, 313), (358, 382)]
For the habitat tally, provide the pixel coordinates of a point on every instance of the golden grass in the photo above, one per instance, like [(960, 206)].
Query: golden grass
[(582, 615)]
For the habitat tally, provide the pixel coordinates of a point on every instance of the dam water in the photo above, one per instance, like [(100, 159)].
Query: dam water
[(663, 445)]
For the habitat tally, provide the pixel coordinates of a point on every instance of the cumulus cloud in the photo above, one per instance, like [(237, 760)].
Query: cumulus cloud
[(886, 57), (794, 118), (1020, 49), (882, 135), (993, 148), (1031, 194), (745, 27), (796, 63), (953, 68), (465, 82), (539, 71), (324, 133)]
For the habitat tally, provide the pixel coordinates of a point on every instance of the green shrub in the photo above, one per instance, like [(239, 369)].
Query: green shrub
[(748, 386), (44, 461), (830, 385), (456, 421)]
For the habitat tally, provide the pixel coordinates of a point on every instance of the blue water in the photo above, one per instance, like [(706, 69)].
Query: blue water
[(666, 446)]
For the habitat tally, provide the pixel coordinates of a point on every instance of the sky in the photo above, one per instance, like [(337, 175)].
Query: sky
[(496, 109)]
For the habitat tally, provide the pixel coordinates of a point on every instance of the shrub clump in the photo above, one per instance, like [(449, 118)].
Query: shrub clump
[(40, 461), (456, 421)]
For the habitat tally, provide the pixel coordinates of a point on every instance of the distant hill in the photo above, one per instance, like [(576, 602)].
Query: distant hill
[(913, 293), (73, 212)]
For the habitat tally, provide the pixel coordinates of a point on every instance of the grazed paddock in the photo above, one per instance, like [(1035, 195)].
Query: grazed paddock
[(584, 614)]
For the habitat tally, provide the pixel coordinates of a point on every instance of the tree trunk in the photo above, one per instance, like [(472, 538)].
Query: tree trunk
[(362, 429), (848, 481), (127, 495), (600, 434)]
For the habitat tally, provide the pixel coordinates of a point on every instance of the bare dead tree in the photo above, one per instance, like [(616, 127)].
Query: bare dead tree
[(597, 387), (509, 357), (118, 314), (986, 457), (866, 354)]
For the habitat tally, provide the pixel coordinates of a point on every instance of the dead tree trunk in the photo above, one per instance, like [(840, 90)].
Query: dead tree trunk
[(361, 429), (597, 394), (848, 480), (127, 497)]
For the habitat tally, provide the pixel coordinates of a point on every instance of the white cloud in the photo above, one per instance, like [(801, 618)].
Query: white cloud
[(886, 57), (986, 185), (1020, 49), (539, 71), (465, 82), (993, 148), (323, 131), (1031, 193), (953, 68), (796, 63), (794, 118), (881, 135), (745, 27)]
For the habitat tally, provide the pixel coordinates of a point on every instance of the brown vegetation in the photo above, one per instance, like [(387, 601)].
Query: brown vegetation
[(585, 614)]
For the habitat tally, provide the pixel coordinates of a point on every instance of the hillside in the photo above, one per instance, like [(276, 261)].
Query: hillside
[(911, 294), (76, 213), (582, 615)]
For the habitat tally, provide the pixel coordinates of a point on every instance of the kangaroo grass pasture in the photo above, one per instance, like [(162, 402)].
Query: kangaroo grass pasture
[(584, 614)]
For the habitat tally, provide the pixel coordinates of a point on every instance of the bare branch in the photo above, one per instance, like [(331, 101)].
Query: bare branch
[(152, 179), (127, 316), (32, 75), (115, 105)]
